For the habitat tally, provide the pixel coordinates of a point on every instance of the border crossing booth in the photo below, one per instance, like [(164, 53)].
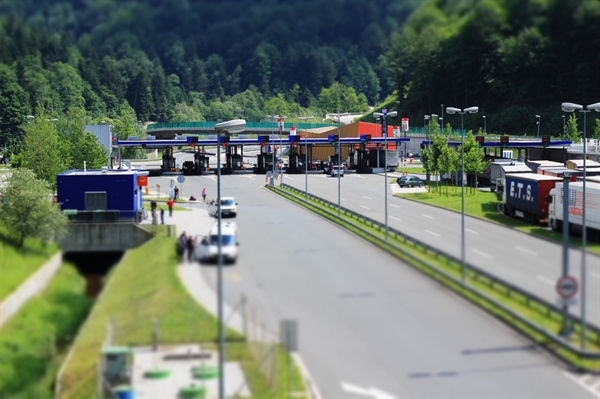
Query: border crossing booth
[(102, 195)]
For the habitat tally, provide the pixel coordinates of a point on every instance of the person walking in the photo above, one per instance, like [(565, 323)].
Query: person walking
[(190, 248), (181, 246), (176, 191), (162, 215), (170, 204), (204, 195)]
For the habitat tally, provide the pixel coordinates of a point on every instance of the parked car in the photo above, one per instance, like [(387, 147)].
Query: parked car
[(228, 207), (410, 181)]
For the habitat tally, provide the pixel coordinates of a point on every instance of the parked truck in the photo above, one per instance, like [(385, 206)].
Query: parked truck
[(526, 196), (575, 195), (499, 169)]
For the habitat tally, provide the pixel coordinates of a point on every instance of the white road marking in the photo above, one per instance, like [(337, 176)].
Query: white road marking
[(484, 254), (395, 218), (547, 280), (526, 250), (428, 216), (394, 206), (366, 391), (472, 231), (364, 196), (316, 394), (366, 207), (580, 380), (432, 233)]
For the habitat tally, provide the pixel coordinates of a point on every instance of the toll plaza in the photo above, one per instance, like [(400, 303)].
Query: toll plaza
[(362, 153)]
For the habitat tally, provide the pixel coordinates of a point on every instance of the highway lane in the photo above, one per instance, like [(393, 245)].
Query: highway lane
[(366, 319), (531, 263)]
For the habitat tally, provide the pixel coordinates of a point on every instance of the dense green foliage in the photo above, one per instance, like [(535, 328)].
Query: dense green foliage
[(27, 210), (513, 59), (51, 321)]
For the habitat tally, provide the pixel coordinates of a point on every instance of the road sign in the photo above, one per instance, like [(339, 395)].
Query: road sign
[(567, 287), (180, 179)]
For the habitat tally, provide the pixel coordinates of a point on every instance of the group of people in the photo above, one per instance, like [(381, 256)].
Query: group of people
[(185, 247)]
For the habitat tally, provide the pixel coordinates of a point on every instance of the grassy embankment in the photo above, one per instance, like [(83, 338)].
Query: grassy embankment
[(17, 265), (144, 287), (34, 342), (476, 288)]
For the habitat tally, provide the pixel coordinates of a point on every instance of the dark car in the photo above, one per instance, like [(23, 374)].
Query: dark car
[(410, 181)]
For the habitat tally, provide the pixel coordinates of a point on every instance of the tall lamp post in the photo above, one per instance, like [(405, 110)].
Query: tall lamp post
[(571, 107), (229, 127), (484, 125), (564, 126), (383, 115), (462, 112), (539, 119), (276, 118), (426, 118), (338, 116), (305, 118)]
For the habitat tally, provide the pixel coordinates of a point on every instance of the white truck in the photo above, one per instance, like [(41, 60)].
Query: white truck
[(499, 169), (575, 195)]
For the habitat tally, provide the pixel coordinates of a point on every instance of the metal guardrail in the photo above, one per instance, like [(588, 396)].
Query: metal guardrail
[(532, 301)]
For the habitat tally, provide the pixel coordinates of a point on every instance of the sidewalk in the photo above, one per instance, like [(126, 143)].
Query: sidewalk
[(193, 221)]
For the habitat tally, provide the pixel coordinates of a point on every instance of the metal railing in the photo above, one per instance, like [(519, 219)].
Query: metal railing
[(531, 301)]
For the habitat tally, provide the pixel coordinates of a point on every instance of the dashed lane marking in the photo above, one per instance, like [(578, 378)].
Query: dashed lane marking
[(428, 216), (526, 250), (366, 207), (395, 218), (432, 233), (481, 253), (546, 280)]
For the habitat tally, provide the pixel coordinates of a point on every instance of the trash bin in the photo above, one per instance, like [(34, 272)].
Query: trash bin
[(125, 392)]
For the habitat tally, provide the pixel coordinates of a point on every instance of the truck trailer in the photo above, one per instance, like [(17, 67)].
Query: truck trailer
[(499, 169), (526, 195), (575, 195)]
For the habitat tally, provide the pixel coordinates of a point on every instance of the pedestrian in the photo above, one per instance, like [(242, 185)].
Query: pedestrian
[(181, 246), (190, 248), (162, 215), (153, 205), (176, 190), (204, 195), (154, 217), (170, 204)]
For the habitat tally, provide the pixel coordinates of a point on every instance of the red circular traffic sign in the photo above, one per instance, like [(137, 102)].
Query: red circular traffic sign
[(567, 287)]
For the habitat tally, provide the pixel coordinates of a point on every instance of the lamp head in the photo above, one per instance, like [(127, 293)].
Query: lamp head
[(393, 114), (427, 117), (595, 107), (452, 110), (570, 107), (232, 126), (377, 115), (434, 115), (472, 110)]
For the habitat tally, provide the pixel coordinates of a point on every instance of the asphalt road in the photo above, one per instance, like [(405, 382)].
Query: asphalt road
[(531, 263), (370, 326)]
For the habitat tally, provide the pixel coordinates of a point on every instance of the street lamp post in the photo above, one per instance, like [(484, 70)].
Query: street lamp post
[(539, 118), (383, 116), (571, 107), (277, 118), (564, 126), (339, 150), (484, 125), (463, 250), (305, 118), (426, 118), (233, 126)]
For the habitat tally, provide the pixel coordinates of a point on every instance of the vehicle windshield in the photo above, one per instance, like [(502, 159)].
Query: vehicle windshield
[(225, 240), (227, 202)]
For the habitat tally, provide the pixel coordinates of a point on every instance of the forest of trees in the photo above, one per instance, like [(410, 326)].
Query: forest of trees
[(194, 60)]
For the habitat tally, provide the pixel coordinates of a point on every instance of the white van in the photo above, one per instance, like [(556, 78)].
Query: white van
[(207, 247), (336, 170)]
